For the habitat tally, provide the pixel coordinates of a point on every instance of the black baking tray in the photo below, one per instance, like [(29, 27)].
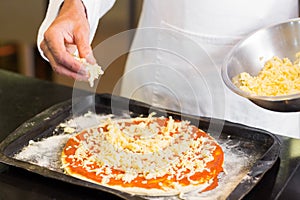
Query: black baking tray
[(44, 125)]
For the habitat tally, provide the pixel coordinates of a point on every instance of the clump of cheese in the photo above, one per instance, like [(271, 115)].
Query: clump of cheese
[(94, 71), (278, 77)]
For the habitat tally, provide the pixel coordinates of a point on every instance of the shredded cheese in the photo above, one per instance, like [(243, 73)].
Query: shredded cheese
[(144, 147), (94, 71), (278, 77)]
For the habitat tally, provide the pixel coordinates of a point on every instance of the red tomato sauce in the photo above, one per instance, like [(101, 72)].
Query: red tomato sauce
[(215, 167)]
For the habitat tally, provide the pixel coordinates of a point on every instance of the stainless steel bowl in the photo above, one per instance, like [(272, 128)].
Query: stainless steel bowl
[(249, 55)]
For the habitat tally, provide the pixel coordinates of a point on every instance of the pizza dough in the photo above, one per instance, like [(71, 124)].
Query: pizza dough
[(153, 156)]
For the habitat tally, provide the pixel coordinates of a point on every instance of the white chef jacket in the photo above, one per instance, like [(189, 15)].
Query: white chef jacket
[(176, 57)]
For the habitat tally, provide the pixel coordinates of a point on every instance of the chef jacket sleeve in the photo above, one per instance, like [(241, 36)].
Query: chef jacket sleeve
[(95, 10)]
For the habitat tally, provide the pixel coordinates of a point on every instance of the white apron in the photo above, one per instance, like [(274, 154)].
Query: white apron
[(176, 58)]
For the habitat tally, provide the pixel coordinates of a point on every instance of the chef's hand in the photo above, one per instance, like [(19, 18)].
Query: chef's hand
[(68, 32)]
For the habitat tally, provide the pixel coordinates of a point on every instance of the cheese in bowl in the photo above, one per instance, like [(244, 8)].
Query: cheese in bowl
[(278, 77)]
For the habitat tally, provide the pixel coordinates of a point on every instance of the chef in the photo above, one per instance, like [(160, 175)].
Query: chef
[(176, 55)]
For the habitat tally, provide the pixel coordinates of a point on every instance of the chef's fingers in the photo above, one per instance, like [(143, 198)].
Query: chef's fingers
[(84, 49), (66, 72), (90, 58), (71, 48), (55, 46), (59, 68)]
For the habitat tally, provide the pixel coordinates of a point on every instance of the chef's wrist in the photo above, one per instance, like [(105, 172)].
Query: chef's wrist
[(78, 5)]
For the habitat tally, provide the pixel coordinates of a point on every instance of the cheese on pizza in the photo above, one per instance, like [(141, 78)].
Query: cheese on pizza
[(147, 156)]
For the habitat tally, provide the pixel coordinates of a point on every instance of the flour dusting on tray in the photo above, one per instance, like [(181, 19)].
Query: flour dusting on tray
[(44, 153), (47, 151)]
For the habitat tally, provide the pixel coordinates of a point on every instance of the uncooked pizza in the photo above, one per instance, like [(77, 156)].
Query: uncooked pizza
[(154, 156)]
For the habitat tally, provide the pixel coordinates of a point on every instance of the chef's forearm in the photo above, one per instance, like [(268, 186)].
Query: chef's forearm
[(76, 5)]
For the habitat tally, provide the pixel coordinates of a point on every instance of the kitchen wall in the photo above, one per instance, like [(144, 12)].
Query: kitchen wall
[(19, 22)]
